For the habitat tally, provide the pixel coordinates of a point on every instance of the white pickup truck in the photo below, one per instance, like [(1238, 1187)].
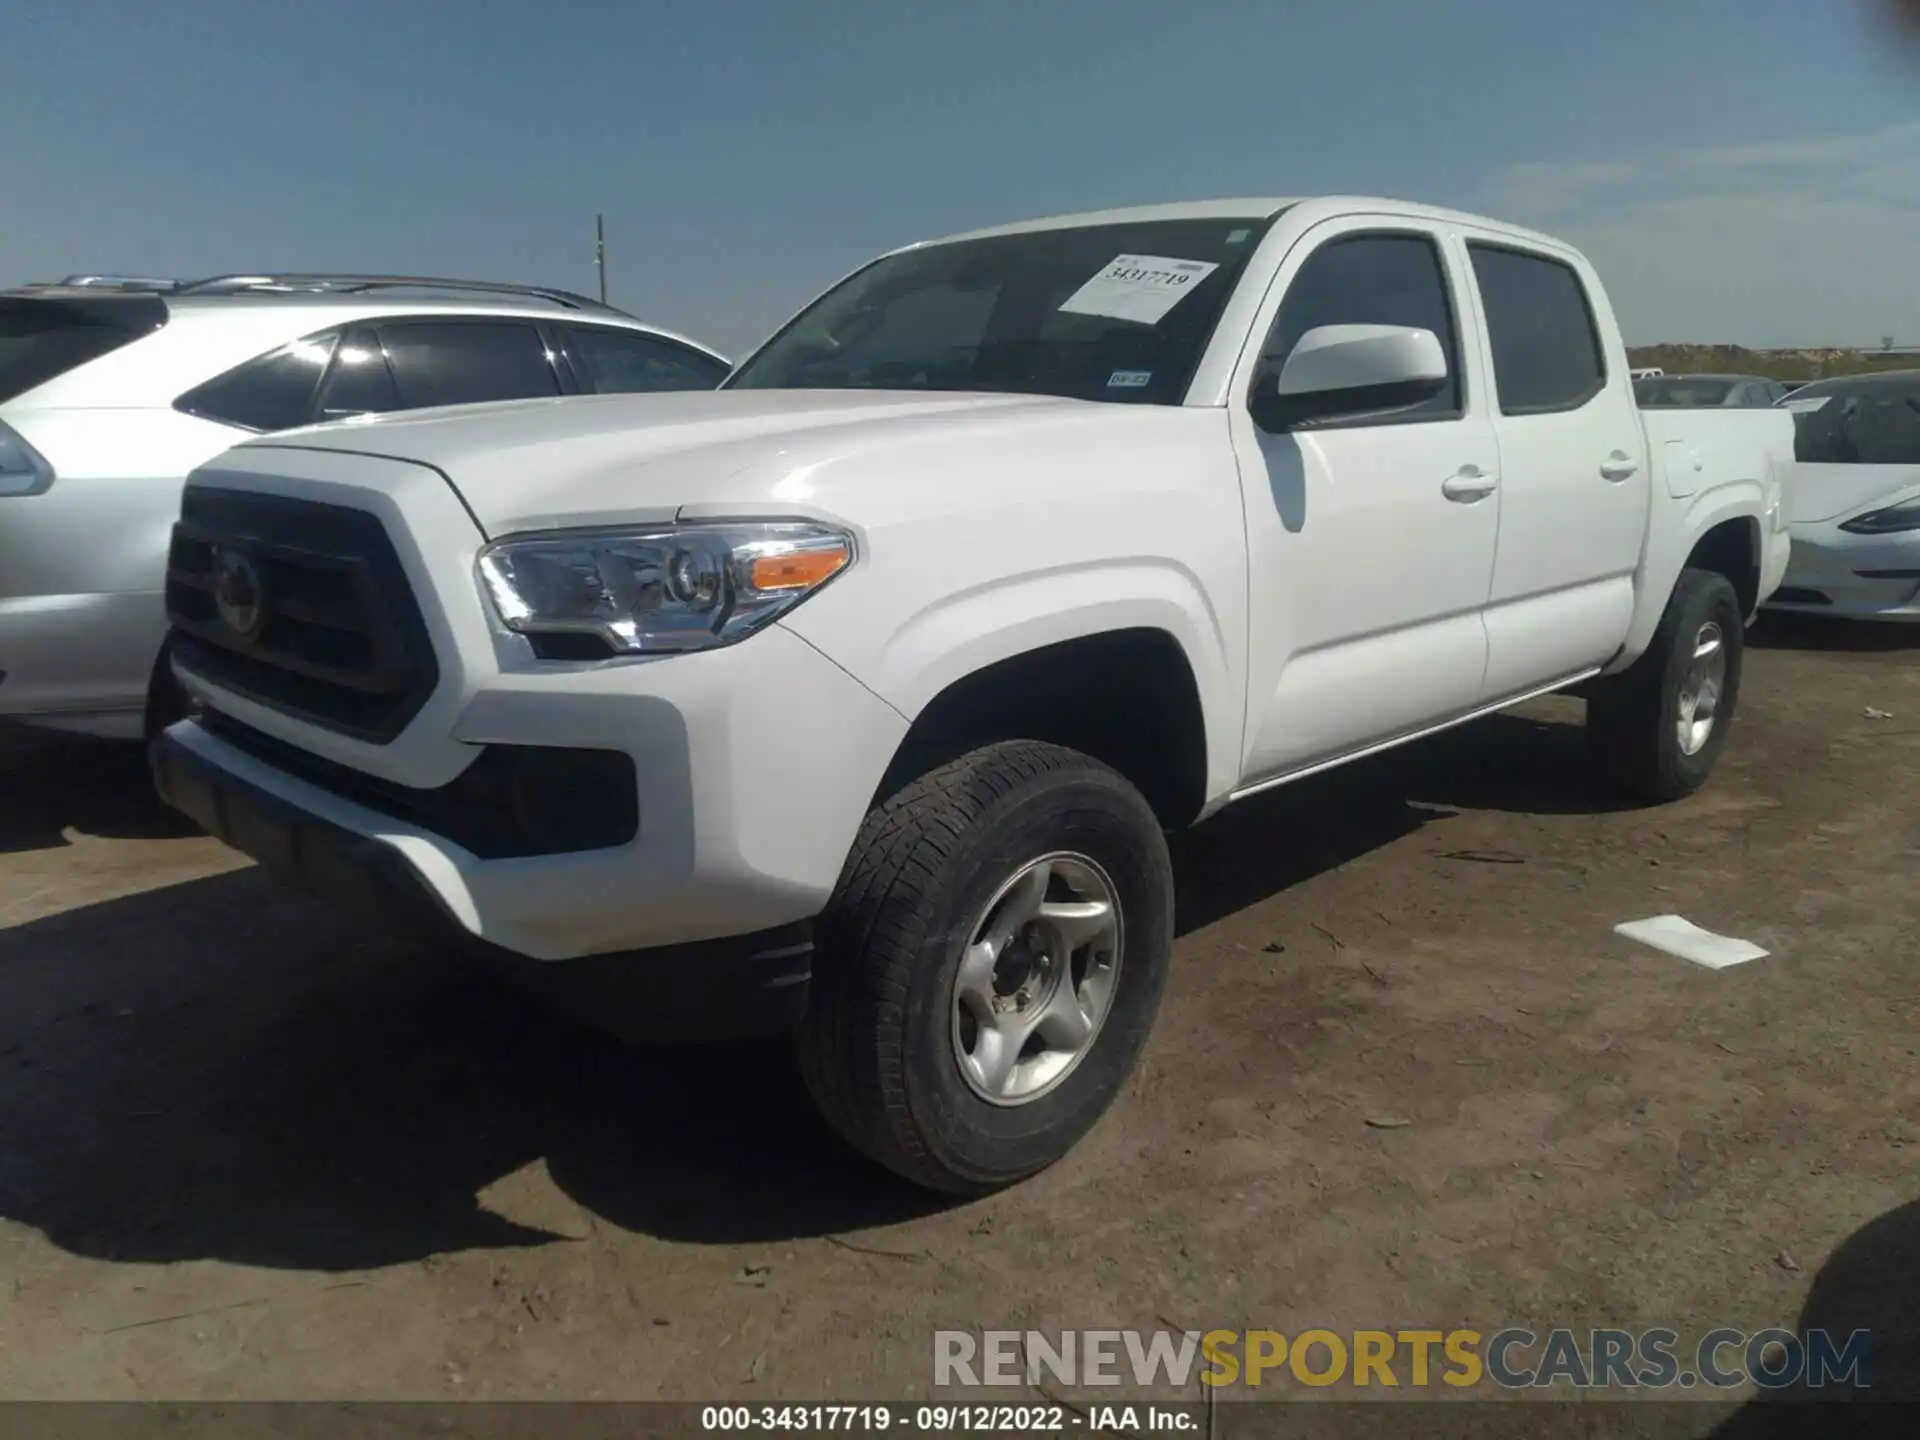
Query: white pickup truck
[(856, 697)]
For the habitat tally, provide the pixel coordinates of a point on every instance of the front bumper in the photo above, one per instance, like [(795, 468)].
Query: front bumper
[(80, 662), (1862, 577), (741, 985), (753, 765)]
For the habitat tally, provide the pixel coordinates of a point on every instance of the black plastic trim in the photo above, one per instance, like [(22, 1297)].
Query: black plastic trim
[(736, 986), (513, 801), (345, 646)]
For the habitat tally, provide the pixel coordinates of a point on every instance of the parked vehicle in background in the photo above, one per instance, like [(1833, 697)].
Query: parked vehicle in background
[(1646, 372), (113, 388), (1853, 502), (857, 696), (1750, 392)]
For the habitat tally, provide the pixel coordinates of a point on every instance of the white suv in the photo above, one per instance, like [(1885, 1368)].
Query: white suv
[(112, 390)]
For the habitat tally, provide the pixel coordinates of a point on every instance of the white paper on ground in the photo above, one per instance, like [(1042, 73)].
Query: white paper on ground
[(1687, 940), (1138, 287)]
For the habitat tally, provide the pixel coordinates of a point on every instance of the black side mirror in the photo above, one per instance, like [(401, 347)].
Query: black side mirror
[(1276, 413)]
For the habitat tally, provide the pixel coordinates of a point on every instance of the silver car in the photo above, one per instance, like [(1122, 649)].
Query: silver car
[(1853, 500), (112, 390)]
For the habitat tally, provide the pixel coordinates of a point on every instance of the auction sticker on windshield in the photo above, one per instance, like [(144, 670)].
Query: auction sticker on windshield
[(1138, 287)]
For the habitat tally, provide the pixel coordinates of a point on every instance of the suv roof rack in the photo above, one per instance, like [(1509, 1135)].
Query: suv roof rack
[(359, 284), (120, 282)]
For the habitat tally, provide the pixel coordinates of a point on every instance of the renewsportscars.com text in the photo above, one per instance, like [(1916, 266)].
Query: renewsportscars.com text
[(1510, 1359)]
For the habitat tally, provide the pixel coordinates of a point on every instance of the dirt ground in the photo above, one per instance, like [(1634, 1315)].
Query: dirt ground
[(248, 1150)]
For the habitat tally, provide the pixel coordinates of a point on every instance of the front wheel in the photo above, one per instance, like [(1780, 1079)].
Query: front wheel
[(989, 966), (1660, 725)]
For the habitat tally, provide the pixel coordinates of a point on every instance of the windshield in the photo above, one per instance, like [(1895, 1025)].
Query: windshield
[(1681, 391), (1864, 420), (1101, 312)]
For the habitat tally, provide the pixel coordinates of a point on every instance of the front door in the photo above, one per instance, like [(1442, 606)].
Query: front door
[(1370, 538)]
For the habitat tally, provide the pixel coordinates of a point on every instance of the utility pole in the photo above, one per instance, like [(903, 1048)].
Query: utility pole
[(600, 253)]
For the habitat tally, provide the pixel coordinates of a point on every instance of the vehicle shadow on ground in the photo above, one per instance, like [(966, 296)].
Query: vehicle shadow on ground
[(1272, 842), (220, 1069), (1867, 1284), (1796, 630), (52, 783)]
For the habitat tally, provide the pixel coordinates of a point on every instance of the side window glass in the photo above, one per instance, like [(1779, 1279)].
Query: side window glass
[(270, 392), (359, 382), (627, 362), (464, 362), (1372, 280), (1546, 346), (1884, 425)]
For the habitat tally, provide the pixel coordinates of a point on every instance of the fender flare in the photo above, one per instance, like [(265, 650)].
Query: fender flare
[(970, 630)]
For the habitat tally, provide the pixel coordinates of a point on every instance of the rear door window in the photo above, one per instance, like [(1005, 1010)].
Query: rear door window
[(467, 361), (270, 392), (613, 361), (1546, 345)]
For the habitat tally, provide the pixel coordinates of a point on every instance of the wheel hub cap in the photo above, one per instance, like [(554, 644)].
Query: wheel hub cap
[(1700, 690), (1037, 979)]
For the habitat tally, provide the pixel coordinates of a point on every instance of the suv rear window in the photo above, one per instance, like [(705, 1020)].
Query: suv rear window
[(43, 339)]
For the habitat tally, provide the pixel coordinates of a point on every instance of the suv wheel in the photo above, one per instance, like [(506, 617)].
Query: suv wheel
[(989, 966), (1660, 725)]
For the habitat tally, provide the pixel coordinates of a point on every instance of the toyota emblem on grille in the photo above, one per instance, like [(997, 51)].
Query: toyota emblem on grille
[(238, 594)]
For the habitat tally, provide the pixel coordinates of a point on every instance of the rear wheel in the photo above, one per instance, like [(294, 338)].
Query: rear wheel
[(989, 966), (1659, 726)]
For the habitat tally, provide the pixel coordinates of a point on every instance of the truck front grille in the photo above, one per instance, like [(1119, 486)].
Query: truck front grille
[(300, 606)]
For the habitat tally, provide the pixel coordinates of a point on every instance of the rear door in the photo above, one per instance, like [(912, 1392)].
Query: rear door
[(1370, 539), (1574, 485)]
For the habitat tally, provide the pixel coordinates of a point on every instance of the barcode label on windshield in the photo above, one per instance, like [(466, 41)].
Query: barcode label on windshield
[(1142, 288)]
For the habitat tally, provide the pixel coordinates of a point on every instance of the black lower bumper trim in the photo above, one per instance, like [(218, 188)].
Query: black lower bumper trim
[(294, 845), (709, 990)]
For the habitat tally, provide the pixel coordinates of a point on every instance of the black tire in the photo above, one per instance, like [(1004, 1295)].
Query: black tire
[(877, 1047), (1633, 718)]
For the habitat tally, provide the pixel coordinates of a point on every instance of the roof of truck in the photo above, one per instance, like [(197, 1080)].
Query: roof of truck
[(1254, 208)]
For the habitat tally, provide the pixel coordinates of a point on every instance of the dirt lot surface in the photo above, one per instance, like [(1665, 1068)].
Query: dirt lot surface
[(248, 1150)]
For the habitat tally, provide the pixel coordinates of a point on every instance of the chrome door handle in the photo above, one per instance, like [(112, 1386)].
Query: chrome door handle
[(1617, 467), (1468, 484)]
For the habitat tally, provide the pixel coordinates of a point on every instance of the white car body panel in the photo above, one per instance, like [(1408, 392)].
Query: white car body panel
[(82, 564), (1328, 598), (1864, 577)]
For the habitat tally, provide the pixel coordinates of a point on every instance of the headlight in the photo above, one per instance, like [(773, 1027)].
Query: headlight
[(1888, 521), (662, 590)]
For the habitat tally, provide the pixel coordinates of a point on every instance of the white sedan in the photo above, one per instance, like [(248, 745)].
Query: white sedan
[(1853, 501)]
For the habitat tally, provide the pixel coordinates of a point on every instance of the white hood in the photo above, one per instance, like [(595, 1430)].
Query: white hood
[(581, 460), (1817, 492)]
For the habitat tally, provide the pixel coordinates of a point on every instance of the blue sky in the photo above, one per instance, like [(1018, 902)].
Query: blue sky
[(1745, 170)]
